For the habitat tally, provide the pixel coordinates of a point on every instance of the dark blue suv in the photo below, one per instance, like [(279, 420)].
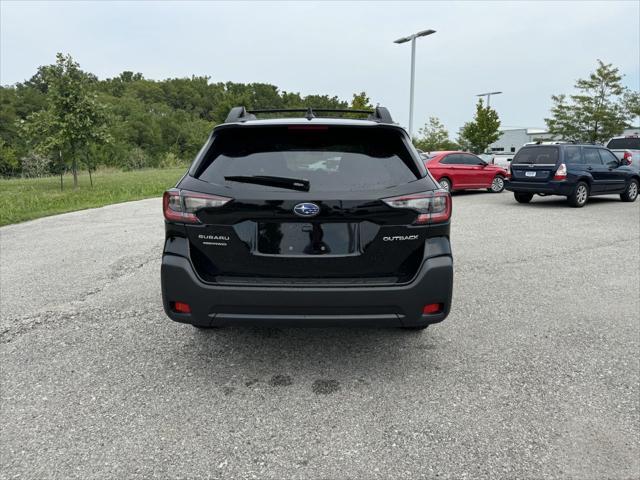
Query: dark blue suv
[(574, 171)]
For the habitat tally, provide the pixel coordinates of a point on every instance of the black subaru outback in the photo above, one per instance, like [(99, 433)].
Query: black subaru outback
[(307, 221)]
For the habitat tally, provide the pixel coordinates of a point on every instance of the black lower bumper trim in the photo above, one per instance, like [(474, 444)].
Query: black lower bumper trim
[(293, 305)]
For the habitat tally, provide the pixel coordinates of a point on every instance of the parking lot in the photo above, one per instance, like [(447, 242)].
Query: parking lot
[(535, 372)]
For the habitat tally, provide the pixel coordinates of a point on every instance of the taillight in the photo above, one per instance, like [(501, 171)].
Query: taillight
[(181, 205), (626, 158), (508, 169), (561, 173), (432, 207)]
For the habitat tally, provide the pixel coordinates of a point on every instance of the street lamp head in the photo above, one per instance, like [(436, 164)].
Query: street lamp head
[(402, 40), (487, 93), (424, 33)]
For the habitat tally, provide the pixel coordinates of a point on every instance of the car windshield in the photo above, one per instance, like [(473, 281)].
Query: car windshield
[(328, 158), (628, 143), (536, 156)]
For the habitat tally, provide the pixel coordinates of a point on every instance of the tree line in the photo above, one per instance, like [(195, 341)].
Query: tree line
[(65, 119)]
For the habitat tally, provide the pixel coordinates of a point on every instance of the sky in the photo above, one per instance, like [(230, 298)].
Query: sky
[(527, 50)]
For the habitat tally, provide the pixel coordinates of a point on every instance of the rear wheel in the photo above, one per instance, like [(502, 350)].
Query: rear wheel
[(579, 196), (445, 184), (497, 185), (523, 197), (631, 192)]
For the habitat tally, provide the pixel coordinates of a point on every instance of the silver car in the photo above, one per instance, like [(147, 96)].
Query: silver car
[(628, 148)]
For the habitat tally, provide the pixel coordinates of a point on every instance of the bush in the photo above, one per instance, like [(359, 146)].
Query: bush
[(35, 165), (171, 160), (135, 159)]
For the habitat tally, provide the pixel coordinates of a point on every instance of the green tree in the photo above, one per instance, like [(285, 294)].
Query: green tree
[(361, 101), (73, 119), (433, 136), (632, 105), (9, 163), (478, 134), (600, 109)]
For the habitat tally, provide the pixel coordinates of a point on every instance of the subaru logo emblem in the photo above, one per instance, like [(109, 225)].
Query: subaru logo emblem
[(306, 209)]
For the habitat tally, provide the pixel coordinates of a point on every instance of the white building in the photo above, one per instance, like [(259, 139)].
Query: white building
[(631, 131), (513, 138)]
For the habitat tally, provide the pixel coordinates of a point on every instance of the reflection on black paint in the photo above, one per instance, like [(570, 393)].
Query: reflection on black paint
[(299, 238), (316, 246), (271, 236)]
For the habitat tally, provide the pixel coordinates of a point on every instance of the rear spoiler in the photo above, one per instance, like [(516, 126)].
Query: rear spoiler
[(241, 114)]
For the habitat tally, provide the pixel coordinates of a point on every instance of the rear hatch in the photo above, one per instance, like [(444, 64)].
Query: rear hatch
[(307, 205), (535, 164)]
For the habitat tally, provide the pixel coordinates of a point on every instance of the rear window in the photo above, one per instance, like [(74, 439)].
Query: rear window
[(330, 158), (631, 143), (536, 156)]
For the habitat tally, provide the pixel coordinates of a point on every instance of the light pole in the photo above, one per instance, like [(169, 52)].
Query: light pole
[(488, 95), (412, 38)]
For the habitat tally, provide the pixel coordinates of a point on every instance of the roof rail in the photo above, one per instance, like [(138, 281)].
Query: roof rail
[(241, 114)]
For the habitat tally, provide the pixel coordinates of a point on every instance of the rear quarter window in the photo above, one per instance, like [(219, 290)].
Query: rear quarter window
[(572, 155), (536, 156)]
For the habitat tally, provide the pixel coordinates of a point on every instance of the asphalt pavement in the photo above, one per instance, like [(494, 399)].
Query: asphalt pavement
[(535, 374)]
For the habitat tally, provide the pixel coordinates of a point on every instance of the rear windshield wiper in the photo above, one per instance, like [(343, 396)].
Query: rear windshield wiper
[(282, 182)]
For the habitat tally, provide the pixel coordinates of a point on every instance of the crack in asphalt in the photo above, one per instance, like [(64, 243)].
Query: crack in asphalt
[(122, 268)]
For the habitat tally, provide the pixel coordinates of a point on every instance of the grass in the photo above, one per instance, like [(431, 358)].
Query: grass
[(24, 199)]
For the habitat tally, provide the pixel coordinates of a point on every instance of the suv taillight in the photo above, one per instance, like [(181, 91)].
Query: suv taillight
[(181, 206), (432, 207), (508, 171), (561, 173), (626, 158)]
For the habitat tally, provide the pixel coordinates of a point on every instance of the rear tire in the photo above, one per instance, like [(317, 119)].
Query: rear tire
[(445, 184), (522, 197), (497, 184), (631, 192), (579, 196)]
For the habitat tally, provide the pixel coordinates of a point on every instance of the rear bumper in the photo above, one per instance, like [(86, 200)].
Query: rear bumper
[(551, 187), (215, 305)]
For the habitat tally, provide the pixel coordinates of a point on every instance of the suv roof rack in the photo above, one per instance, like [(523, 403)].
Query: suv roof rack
[(241, 114)]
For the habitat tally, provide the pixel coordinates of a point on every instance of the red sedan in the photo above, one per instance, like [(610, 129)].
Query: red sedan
[(462, 171)]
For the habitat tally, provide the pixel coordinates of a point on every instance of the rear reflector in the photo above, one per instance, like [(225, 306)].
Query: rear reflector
[(432, 308), (180, 307)]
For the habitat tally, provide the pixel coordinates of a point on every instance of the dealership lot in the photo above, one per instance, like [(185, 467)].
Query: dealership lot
[(535, 372)]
